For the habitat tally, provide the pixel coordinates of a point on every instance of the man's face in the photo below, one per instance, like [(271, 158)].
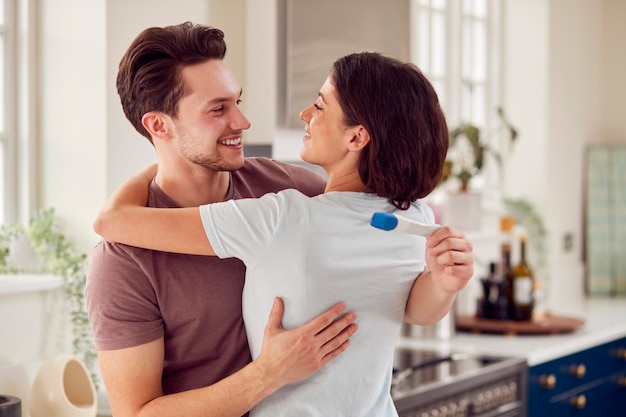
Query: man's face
[(209, 123)]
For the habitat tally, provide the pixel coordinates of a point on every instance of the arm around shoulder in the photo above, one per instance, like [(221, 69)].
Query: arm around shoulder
[(126, 219)]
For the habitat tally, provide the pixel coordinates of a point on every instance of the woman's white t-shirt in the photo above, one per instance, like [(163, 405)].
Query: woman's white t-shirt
[(315, 252)]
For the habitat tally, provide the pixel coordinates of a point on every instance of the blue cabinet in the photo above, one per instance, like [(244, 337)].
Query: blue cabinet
[(591, 382)]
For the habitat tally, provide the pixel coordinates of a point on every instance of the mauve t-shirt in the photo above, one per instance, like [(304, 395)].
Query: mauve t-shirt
[(135, 296)]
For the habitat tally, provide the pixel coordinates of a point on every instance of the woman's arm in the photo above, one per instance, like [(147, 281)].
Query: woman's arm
[(126, 219), (449, 266)]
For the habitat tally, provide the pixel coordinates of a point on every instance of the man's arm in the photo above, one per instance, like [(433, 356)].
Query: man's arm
[(133, 375), (449, 266)]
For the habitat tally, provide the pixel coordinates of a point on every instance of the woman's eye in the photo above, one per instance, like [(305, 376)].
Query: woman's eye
[(316, 106), (239, 101)]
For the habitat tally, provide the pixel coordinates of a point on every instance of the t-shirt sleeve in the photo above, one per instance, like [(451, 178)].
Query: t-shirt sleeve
[(122, 307), (243, 228), (306, 181)]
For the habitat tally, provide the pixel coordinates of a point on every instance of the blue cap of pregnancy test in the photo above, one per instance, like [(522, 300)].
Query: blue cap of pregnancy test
[(384, 221)]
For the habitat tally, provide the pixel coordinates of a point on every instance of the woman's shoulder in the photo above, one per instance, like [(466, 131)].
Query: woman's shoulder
[(421, 212)]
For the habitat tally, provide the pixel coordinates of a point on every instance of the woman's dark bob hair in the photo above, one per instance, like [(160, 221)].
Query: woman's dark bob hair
[(399, 108)]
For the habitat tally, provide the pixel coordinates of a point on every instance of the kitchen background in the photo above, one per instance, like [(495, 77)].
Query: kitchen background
[(563, 77)]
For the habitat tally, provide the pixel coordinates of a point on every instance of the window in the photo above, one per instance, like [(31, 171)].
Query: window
[(455, 43), (6, 97), (456, 47), (17, 109)]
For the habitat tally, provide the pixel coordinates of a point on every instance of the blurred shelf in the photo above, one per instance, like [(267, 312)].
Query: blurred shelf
[(17, 283)]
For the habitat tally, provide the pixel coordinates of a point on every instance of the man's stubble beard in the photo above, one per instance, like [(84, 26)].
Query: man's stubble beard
[(214, 162)]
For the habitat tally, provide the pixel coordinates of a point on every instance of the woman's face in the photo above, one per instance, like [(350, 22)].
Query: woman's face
[(326, 135)]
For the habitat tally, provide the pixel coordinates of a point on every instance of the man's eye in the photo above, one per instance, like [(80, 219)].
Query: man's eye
[(316, 106), (239, 101)]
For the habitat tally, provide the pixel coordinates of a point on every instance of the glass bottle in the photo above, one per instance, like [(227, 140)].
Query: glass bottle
[(508, 278), (523, 286), (507, 224)]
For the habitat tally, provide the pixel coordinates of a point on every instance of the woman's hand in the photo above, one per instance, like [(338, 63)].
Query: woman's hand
[(450, 258), (449, 267)]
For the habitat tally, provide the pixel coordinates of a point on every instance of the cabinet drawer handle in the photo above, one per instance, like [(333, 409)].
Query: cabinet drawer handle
[(622, 381), (578, 371), (547, 381), (579, 401), (621, 353)]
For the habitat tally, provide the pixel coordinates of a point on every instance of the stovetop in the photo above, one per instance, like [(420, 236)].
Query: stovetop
[(417, 371)]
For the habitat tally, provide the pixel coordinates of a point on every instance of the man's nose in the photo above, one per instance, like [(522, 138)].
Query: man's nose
[(240, 121)]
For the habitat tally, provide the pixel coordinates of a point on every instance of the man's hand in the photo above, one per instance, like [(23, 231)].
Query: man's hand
[(291, 355)]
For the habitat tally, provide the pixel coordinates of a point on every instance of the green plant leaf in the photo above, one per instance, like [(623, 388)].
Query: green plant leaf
[(479, 147)]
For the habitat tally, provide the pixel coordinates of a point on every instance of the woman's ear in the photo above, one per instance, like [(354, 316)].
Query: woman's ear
[(155, 123), (360, 139)]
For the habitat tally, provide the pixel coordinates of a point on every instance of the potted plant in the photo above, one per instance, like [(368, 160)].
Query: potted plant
[(55, 255), (469, 147), (466, 158)]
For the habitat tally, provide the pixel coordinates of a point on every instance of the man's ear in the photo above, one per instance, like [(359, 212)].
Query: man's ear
[(156, 124), (360, 139)]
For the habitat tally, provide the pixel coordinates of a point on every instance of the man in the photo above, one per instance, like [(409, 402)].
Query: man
[(168, 327)]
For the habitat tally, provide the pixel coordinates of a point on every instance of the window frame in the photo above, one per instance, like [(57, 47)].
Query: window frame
[(7, 136), (451, 97), (453, 81), (19, 153)]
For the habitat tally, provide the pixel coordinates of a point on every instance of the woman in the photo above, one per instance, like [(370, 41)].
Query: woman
[(379, 133)]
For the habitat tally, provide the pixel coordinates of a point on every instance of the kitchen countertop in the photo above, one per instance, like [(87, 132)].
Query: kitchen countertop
[(604, 322)]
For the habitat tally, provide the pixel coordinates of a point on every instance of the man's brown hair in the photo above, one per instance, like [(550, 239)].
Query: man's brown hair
[(149, 76)]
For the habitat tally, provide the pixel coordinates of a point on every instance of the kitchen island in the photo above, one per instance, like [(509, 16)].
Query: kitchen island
[(578, 373)]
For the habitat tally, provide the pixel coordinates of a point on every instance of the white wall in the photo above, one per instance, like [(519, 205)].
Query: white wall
[(613, 128), (261, 68), (72, 109), (525, 95), (564, 83), (575, 104)]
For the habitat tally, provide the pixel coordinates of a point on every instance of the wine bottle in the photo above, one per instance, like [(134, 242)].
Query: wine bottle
[(507, 224), (523, 286), (508, 277)]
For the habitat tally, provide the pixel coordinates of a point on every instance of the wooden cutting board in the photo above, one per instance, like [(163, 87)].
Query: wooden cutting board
[(546, 324)]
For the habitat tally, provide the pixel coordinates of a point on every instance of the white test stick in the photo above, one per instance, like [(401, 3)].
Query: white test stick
[(394, 223)]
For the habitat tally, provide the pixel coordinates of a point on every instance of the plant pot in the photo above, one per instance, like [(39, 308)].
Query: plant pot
[(463, 210), (10, 406), (22, 255), (63, 388)]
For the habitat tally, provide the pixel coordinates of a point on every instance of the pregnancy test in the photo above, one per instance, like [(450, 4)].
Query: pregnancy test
[(394, 223)]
